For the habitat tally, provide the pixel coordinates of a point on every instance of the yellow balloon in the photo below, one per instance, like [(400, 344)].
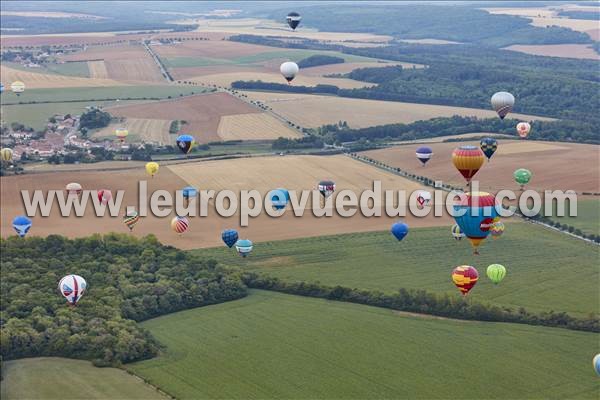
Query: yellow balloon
[(121, 134), (6, 154), (152, 168)]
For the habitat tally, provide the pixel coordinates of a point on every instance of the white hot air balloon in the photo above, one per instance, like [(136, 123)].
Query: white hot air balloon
[(72, 287), (502, 103), (74, 189), (423, 199), (289, 70)]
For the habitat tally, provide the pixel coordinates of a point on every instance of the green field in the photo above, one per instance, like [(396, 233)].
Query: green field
[(587, 219), (546, 270), (61, 379), (271, 345), (79, 68)]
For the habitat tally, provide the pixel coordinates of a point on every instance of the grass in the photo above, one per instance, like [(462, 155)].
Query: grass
[(62, 378), (587, 219), (546, 270), (79, 68), (272, 345)]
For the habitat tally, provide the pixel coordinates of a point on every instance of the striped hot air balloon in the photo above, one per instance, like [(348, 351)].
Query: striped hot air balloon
[(72, 287), (424, 154), (180, 224), (465, 277), (243, 247), (497, 229), (6, 154), (130, 219), (293, 19), (502, 103), (489, 146), (475, 214), (326, 188), (496, 272), (467, 160), (456, 232)]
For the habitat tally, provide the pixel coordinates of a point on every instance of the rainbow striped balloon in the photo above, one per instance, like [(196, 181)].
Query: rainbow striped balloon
[(180, 224), (130, 219)]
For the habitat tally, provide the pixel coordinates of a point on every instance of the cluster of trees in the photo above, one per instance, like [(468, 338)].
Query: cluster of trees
[(306, 142), (128, 280), (94, 119), (96, 154), (319, 59), (421, 301), (260, 85), (589, 15), (566, 228)]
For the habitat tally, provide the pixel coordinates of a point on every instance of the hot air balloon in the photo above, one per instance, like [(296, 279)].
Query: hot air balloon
[(289, 70), (189, 192), (293, 19), (243, 247), (423, 199), (326, 188), (502, 103), (230, 237), (467, 160), (121, 134), (488, 145), (130, 219), (399, 230), (72, 287), (21, 225), (74, 189), (596, 363), (465, 277), (456, 232), (496, 273), (522, 177), (17, 87), (6, 154), (185, 143), (279, 198), (104, 195), (180, 224), (497, 229), (1, 88), (152, 168), (424, 154), (478, 213), (523, 129)]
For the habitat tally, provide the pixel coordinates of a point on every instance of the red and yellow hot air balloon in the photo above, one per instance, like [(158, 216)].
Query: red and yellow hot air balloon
[(465, 277), (468, 160)]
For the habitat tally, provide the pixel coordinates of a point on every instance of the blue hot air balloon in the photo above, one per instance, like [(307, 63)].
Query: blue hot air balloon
[(230, 237), (488, 146), (279, 198), (1, 87), (21, 224), (189, 192), (424, 154), (399, 230), (243, 247), (185, 143), (475, 215)]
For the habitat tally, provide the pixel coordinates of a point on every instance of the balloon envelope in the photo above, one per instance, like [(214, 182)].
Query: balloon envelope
[(475, 215), (189, 191), (523, 129), (17, 87), (185, 143), (497, 229), (456, 232), (465, 277), (152, 168), (293, 19), (488, 146), (121, 134), (72, 287), (467, 160), (21, 225), (279, 198), (6, 154), (74, 188), (230, 237), (326, 188), (423, 198), (180, 224), (496, 273), (289, 70), (424, 154), (522, 176), (399, 230), (502, 103), (130, 219), (104, 196), (243, 247), (597, 363)]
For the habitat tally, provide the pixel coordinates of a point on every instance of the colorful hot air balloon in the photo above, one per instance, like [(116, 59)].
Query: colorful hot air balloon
[(456, 232), (289, 70), (496, 273), (243, 247), (104, 196), (185, 143), (467, 160), (596, 363), (424, 154), (6, 154), (478, 213), (399, 230), (522, 177), (152, 168), (293, 19), (326, 188), (21, 225), (523, 129), (497, 229), (72, 287), (465, 277), (423, 199), (121, 134), (279, 198), (180, 224), (17, 87), (189, 192), (130, 219), (488, 145), (74, 189), (502, 103), (230, 237)]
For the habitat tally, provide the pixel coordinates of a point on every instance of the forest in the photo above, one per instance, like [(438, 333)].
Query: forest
[(319, 59)]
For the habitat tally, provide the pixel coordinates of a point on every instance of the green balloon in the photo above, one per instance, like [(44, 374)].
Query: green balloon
[(522, 176), (496, 273)]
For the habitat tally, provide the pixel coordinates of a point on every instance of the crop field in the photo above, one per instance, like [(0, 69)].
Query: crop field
[(314, 111), (551, 164), (147, 130), (65, 379), (79, 69), (587, 219), (225, 80), (334, 349), (581, 51), (539, 275), (256, 126), (35, 80)]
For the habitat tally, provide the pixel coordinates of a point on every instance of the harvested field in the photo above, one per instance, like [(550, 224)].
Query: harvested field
[(67, 39), (185, 73), (258, 126), (428, 41), (50, 14), (225, 80), (313, 110), (560, 166), (202, 113), (146, 130), (97, 69), (582, 51), (220, 49), (34, 80)]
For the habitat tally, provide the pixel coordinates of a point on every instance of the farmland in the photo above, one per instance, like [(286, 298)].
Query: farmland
[(587, 219), (315, 110), (551, 164), (40, 80), (147, 130), (62, 379), (255, 126), (581, 51), (337, 350)]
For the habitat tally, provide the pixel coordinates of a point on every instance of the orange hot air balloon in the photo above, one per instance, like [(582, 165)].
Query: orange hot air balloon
[(465, 277), (468, 160)]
